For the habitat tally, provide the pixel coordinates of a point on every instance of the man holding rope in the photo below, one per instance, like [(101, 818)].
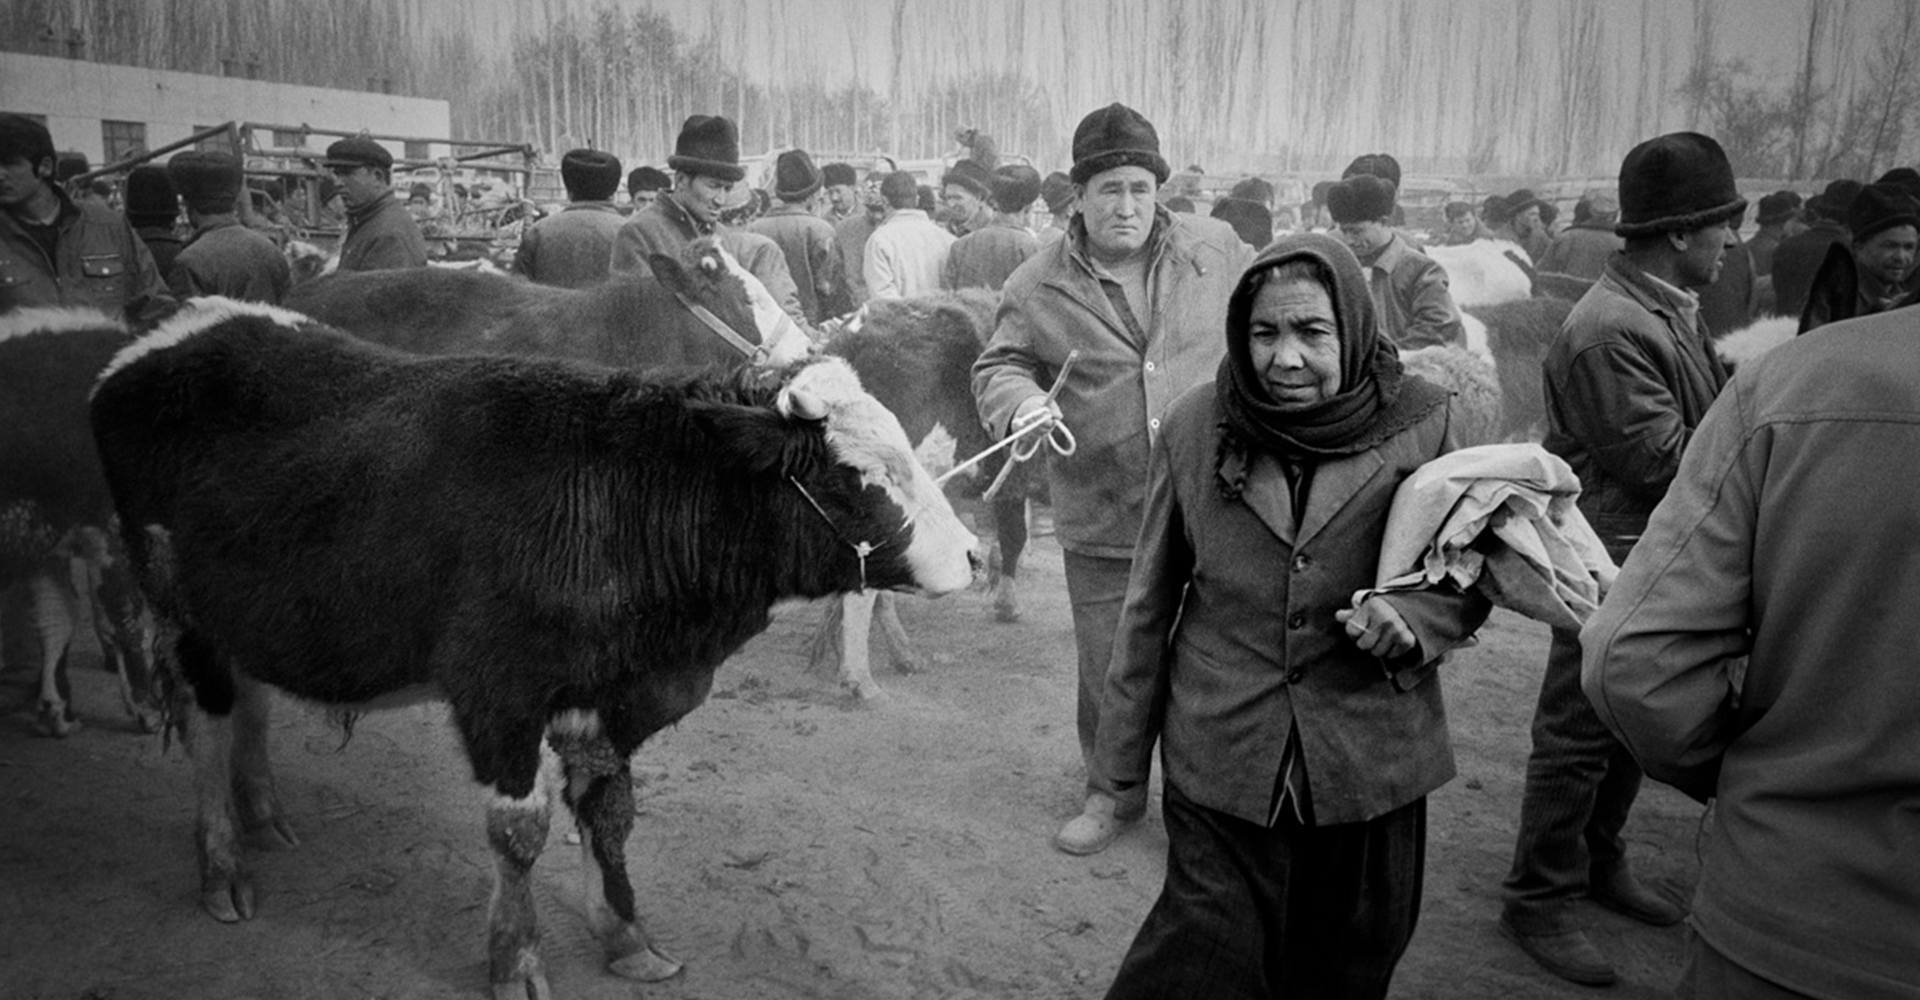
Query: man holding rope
[(1141, 294)]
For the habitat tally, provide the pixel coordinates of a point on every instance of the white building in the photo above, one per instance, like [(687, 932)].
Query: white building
[(109, 112)]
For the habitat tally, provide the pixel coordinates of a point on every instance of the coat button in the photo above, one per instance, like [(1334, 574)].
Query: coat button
[(1300, 563), (1299, 620), (1294, 677)]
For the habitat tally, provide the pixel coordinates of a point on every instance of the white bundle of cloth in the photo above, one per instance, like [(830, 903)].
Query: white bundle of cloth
[(1502, 518)]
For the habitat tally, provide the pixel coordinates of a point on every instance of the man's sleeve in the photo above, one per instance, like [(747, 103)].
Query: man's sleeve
[(629, 251), (1431, 316), (769, 264), (878, 271), (1661, 656), (1617, 404), (1008, 372), (1134, 699)]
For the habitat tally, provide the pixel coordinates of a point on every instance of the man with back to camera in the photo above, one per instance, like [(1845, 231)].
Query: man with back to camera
[(224, 257), (381, 235), (706, 166), (1626, 381), (907, 253), (58, 252), (571, 247), (805, 239), (1797, 259), (1142, 294), (986, 257)]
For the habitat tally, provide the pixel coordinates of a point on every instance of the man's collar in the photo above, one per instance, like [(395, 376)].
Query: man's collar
[(64, 208), (370, 208), (1076, 237), (601, 205), (670, 206), (1389, 255), (789, 208)]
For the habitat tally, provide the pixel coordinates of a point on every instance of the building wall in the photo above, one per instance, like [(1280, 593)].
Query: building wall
[(75, 97)]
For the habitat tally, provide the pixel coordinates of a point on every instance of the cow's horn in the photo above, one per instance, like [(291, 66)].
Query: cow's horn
[(802, 404)]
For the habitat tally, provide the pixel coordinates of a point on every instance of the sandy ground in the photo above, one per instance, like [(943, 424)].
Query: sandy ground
[(788, 844)]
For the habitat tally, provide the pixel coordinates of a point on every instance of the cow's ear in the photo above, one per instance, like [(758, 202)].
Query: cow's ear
[(751, 439), (670, 272), (801, 404), (1836, 290)]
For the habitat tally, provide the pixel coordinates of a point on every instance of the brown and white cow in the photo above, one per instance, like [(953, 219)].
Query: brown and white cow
[(563, 552)]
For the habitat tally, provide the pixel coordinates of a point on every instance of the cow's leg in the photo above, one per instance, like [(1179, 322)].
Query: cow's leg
[(256, 799), (124, 629), (51, 612), (599, 790), (893, 639), (1010, 541), (203, 716), (856, 666), (517, 831), (824, 650)]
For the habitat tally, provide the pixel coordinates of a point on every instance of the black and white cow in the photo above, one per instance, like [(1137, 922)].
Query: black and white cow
[(629, 321), (54, 510), (563, 552)]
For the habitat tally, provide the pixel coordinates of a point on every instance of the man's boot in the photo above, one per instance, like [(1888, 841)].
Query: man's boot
[(1615, 888), (1092, 830), (1561, 949)]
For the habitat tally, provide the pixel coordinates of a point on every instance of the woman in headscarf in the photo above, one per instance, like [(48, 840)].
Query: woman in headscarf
[(1299, 735)]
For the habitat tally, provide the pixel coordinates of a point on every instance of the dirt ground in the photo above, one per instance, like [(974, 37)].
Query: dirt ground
[(788, 844)]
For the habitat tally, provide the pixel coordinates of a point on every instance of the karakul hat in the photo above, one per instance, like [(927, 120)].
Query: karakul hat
[(358, 151), (1057, 190), (710, 145), (150, 196), (1833, 202), (1015, 186), (1377, 164), (208, 182), (68, 165), (1676, 182), (1253, 189), (1116, 136), (1879, 207), (1906, 178), (795, 178), (648, 179), (1778, 207), (590, 174), (1250, 219), (837, 174), (972, 176), (1361, 198)]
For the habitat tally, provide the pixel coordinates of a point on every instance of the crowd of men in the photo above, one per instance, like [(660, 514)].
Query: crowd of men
[(1752, 652)]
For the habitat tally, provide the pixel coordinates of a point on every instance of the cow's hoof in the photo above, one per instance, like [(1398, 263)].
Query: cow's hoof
[(908, 663), (533, 987), (145, 717), (1006, 612), (647, 965), (863, 692), (56, 720), (272, 834), (228, 900)]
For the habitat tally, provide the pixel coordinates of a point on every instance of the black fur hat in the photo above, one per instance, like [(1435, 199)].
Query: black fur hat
[(1778, 207), (1015, 186), (150, 199), (1674, 183), (709, 145), (1879, 207), (971, 176), (648, 179), (590, 174), (1057, 190), (1361, 198), (837, 174), (1116, 136), (208, 182), (795, 178), (1250, 219), (1376, 164)]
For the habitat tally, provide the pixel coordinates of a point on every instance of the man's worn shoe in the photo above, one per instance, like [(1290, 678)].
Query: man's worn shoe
[(1620, 892), (1565, 952), (1092, 830)]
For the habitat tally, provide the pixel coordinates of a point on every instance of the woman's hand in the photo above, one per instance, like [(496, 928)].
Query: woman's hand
[(1377, 628)]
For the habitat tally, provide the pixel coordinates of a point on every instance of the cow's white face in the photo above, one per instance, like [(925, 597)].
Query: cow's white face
[(867, 437), (785, 342)]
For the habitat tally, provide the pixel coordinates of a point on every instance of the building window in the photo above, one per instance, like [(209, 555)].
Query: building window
[(417, 151), (123, 139), (221, 143)]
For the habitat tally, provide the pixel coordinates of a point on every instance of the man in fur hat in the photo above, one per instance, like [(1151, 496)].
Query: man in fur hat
[(966, 198), (1142, 294), (1797, 258), (843, 192), (1410, 293), (152, 207), (57, 252), (1525, 225), (1777, 212), (644, 184), (380, 233), (803, 237), (1629, 377), (985, 257), (1884, 222), (706, 166), (224, 257), (571, 247), (1584, 249), (1056, 189)]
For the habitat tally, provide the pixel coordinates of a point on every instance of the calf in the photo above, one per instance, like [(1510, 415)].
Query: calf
[(54, 508), (916, 356), (629, 321), (1485, 272), (564, 552)]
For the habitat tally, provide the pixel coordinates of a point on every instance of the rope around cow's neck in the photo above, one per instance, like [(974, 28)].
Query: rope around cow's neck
[(861, 550)]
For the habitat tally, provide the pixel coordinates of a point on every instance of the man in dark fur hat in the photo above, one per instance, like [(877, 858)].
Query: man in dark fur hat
[(803, 237), (986, 256), (152, 207), (1797, 258), (1627, 380), (224, 257), (61, 253), (571, 247), (966, 198), (1410, 293), (842, 185), (1776, 212), (1884, 221)]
